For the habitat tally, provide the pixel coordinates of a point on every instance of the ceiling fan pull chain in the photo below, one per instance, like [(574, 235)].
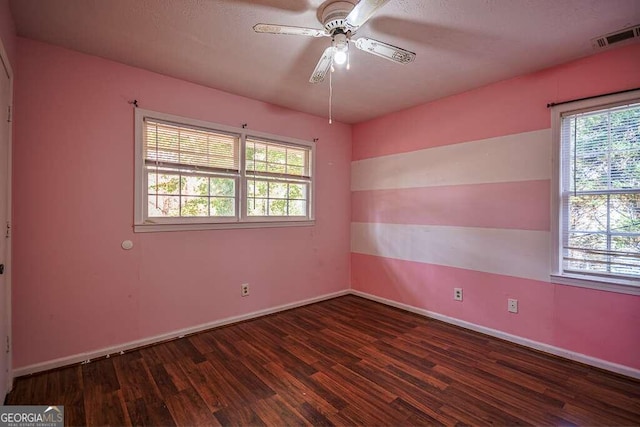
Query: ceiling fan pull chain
[(330, 90)]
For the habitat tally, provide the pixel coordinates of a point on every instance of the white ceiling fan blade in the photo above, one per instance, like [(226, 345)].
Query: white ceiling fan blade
[(384, 50), (363, 11), (292, 31), (323, 67)]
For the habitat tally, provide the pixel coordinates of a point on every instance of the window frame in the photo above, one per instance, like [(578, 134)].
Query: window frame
[(558, 276), (142, 223), (271, 177)]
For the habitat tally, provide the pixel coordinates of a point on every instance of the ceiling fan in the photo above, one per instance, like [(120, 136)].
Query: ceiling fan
[(341, 19)]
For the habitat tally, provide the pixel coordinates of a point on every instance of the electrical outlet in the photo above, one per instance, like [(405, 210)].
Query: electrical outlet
[(244, 289), (457, 294), (512, 305)]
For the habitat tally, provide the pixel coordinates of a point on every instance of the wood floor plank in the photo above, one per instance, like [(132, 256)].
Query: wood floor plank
[(313, 415), (289, 387), (142, 412), (275, 412), (213, 341), (397, 351), (293, 393), (100, 375), (333, 350), (238, 417), (346, 361), (134, 379), (212, 388), (187, 349), (188, 409), (70, 389), (361, 384), (39, 388), (612, 383), (484, 411), (609, 397), (176, 374), (336, 400), (284, 328), (302, 349), (422, 396), (249, 386), (414, 416), (517, 377), (376, 411), (547, 373), (105, 408), (163, 381)]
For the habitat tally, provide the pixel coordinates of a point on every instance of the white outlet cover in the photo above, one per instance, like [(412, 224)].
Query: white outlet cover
[(512, 305), (127, 244)]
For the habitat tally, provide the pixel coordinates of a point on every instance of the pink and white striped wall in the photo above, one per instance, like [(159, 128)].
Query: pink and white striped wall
[(456, 193)]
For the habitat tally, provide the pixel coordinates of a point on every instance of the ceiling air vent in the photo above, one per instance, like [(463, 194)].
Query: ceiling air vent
[(623, 35)]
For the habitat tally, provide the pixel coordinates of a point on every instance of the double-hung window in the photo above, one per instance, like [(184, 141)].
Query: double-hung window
[(278, 178), (192, 174), (597, 230)]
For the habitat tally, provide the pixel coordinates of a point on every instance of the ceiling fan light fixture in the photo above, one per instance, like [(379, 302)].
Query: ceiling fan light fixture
[(341, 46), (340, 57)]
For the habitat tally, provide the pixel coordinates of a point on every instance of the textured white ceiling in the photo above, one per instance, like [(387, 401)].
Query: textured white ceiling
[(460, 44)]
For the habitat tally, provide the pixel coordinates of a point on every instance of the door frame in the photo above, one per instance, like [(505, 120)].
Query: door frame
[(6, 66)]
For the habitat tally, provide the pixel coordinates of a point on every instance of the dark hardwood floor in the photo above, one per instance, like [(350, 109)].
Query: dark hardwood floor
[(346, 361)]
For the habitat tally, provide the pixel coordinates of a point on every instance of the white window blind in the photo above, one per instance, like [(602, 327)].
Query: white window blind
[(278, 179), (186, 148), (600, 192), (191, 172)]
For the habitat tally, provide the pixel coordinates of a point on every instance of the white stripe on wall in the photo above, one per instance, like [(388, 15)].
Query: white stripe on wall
[(519, 253), (518, 157)]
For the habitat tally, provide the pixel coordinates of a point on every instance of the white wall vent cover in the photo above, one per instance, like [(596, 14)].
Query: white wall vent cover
[(624, 35)]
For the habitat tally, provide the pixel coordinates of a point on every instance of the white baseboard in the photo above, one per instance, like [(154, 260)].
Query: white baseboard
[(116, 349), (557, 351)]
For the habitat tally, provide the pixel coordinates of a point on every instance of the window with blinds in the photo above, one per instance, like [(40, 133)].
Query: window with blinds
[(190, 172), (600, 192), (278, 179), (194, 175)]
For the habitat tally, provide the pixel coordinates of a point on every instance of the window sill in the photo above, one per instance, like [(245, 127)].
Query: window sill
[(154, 228), (629, 287)]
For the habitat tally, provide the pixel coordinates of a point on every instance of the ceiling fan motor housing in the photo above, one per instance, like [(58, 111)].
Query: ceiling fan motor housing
[(334, 14), (340, 40)]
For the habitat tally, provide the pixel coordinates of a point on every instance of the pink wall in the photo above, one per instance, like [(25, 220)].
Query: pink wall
[(507, 107), (74, 288), (396, 206)]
